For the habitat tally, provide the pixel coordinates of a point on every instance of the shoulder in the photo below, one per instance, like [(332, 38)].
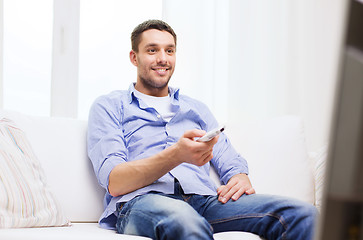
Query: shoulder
[(111, 103), (113, 97)]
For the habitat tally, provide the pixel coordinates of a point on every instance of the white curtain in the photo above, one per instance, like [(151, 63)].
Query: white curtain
[(252, 60)]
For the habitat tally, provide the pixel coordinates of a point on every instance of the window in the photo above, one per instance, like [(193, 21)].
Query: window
[(104, 45), (27, 55), (105, 29)]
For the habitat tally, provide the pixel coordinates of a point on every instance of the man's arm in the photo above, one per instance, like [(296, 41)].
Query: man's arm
[(231, 166), (130, 176)]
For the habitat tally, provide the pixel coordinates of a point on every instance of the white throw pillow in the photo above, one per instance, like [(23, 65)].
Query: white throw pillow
[(60, 146), (25, 199)]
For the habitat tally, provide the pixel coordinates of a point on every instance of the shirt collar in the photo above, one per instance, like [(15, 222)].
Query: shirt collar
[(174, 92)]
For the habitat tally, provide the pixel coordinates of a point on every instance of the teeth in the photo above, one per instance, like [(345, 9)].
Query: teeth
[(161, 70)]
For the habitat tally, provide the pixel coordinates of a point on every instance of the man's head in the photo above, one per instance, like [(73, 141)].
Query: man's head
[(153, 53), (147, 25)]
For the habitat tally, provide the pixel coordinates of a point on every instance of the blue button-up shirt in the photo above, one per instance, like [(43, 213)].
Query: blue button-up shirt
[(122, 128)]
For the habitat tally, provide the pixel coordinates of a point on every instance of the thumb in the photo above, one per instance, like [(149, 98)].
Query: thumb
[(194, 133)]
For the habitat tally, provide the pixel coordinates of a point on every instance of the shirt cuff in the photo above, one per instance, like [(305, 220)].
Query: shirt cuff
[(233, 171), (105, 170)]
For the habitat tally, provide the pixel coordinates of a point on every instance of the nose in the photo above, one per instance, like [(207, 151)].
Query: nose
[(162, 57)]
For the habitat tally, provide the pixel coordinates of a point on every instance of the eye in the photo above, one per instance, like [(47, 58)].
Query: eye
[(170, 51), (151, 50)]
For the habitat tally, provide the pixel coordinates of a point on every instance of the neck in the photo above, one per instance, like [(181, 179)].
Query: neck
[(153, 91)]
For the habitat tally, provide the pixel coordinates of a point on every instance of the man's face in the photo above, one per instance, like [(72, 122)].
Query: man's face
[(155, 61)]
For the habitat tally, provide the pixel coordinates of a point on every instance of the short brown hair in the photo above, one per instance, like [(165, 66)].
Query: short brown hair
[(149, 24)]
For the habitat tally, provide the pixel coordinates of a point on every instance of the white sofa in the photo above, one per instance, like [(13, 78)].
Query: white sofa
[(274, 148)]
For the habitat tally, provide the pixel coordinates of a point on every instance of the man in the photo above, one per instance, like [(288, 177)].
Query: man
[(142, 143)]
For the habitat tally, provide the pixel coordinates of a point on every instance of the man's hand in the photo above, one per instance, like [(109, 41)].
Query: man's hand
[(238, 185), (193, 152)]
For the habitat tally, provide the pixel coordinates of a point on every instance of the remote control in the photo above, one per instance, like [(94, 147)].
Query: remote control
[(211, 134)]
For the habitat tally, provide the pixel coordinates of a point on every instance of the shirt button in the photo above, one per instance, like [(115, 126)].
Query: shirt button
[(158, 115)]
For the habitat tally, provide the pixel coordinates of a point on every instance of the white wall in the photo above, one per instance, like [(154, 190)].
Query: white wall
[(202, 50), (289, 53), (319, 40), (259, 59)]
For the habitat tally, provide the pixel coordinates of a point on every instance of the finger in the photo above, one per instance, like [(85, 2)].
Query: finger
[(226, 193), (235, 190), (208, 158), (221, 189), (250, 191), (238, 194), (205, 151), (222, 199), (213, 141), (204, 158), (208, 146)]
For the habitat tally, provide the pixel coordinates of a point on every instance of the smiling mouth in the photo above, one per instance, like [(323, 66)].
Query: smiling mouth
[(160, 70)]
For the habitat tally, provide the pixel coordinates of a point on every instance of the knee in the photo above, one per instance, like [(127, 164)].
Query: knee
[(184, 227), (300, 220), (171, 218), (306, 211), (309, 215)]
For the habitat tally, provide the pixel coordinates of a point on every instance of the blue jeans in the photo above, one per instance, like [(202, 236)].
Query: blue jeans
[(190, 216)]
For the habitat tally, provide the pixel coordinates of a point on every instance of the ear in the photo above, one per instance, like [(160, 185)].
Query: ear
[(133, 57)]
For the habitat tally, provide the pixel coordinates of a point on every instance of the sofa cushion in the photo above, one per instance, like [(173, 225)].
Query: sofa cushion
[(276, 153), (91, 231), (25, 199), (78, 231), (60, 144)]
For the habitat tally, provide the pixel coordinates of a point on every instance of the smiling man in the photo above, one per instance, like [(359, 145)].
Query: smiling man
[(142, 146)]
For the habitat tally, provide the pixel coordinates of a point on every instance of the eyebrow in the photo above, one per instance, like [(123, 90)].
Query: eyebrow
[(155, 45)]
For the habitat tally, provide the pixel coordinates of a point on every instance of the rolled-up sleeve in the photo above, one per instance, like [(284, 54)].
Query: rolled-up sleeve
[(226, 160), (105, 139)]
